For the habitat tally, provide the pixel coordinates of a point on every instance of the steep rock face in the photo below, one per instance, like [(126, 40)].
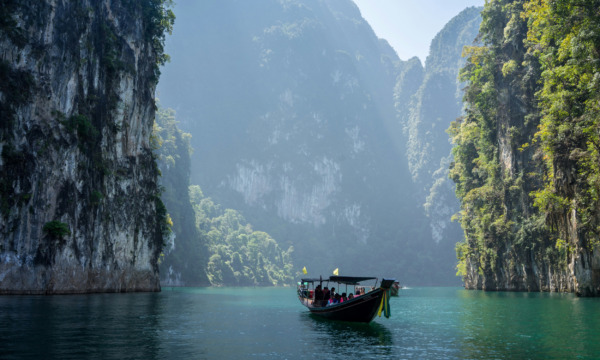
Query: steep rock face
[(508, 246), (80, 205), (427, 100), (568, 132), (292, 114)]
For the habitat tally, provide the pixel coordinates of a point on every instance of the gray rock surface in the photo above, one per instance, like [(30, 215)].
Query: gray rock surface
[(76, 104)]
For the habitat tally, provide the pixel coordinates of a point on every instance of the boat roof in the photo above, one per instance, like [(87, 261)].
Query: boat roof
[(313, 280), (350, 280)]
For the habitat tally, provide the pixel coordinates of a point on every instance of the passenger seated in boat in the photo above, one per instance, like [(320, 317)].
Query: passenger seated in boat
[(344, 298), (326, 296), (351, 296), (318, 293), (332, 292), (338, 299)]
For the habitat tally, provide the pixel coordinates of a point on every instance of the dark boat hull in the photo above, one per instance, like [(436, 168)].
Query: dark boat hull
[(362, 309)]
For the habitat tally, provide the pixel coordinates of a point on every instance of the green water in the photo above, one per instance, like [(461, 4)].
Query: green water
[(233, 323)]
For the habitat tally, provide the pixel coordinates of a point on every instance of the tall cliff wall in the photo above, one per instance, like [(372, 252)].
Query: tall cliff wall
[(80, 206), (517, 177)]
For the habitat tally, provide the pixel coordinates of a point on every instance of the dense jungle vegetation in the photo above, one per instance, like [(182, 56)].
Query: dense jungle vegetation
[(565, 37), (526, 151), (240, 255), (208, 245)]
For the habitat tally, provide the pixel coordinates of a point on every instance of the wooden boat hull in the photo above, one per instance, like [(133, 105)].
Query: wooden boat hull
[(362, 309), (394, 291)]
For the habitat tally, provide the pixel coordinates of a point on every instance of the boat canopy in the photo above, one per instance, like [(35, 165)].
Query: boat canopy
[(313, 280), (349, 280)]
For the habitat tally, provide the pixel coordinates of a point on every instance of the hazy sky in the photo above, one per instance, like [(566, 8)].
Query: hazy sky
[(410, 25)]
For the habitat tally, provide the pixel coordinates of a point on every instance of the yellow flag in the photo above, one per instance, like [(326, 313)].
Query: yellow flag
[(335, 272), (304, 270)]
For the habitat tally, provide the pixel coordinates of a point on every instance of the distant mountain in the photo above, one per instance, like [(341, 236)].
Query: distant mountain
[(428, 100), (294, 122)]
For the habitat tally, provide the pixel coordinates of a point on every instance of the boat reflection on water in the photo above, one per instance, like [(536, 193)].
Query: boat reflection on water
[(347, 338)]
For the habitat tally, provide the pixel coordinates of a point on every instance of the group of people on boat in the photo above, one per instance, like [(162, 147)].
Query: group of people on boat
[(326, 297)]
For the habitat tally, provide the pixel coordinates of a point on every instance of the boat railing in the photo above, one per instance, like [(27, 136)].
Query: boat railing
[(305, 295)]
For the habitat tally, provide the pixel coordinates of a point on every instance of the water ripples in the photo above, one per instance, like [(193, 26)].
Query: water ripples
[(234, 323)]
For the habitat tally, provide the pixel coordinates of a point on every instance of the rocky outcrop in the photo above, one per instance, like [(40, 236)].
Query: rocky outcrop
[(428, 100), (513, 244), (80, 206)]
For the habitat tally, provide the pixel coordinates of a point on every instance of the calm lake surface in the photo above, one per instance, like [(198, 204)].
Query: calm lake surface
[(233, 323)]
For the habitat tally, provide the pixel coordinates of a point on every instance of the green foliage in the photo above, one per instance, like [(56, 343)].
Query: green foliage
[(240, 255), (209, 241), (57, 229), (84, 128), (497, 212), (462, 251), (158, 21), (564, 36), (553, 79), (163, 219), (509, 67), (96, 197), (185, 254)]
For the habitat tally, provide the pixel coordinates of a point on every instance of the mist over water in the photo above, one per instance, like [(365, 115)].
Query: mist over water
[(234, 323)]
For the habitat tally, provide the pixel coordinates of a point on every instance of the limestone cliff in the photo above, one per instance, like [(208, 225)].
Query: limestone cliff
[(519, 237), (80, 205)]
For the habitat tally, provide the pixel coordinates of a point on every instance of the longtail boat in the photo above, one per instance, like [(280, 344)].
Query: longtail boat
[(362, 309), (395, 289)]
